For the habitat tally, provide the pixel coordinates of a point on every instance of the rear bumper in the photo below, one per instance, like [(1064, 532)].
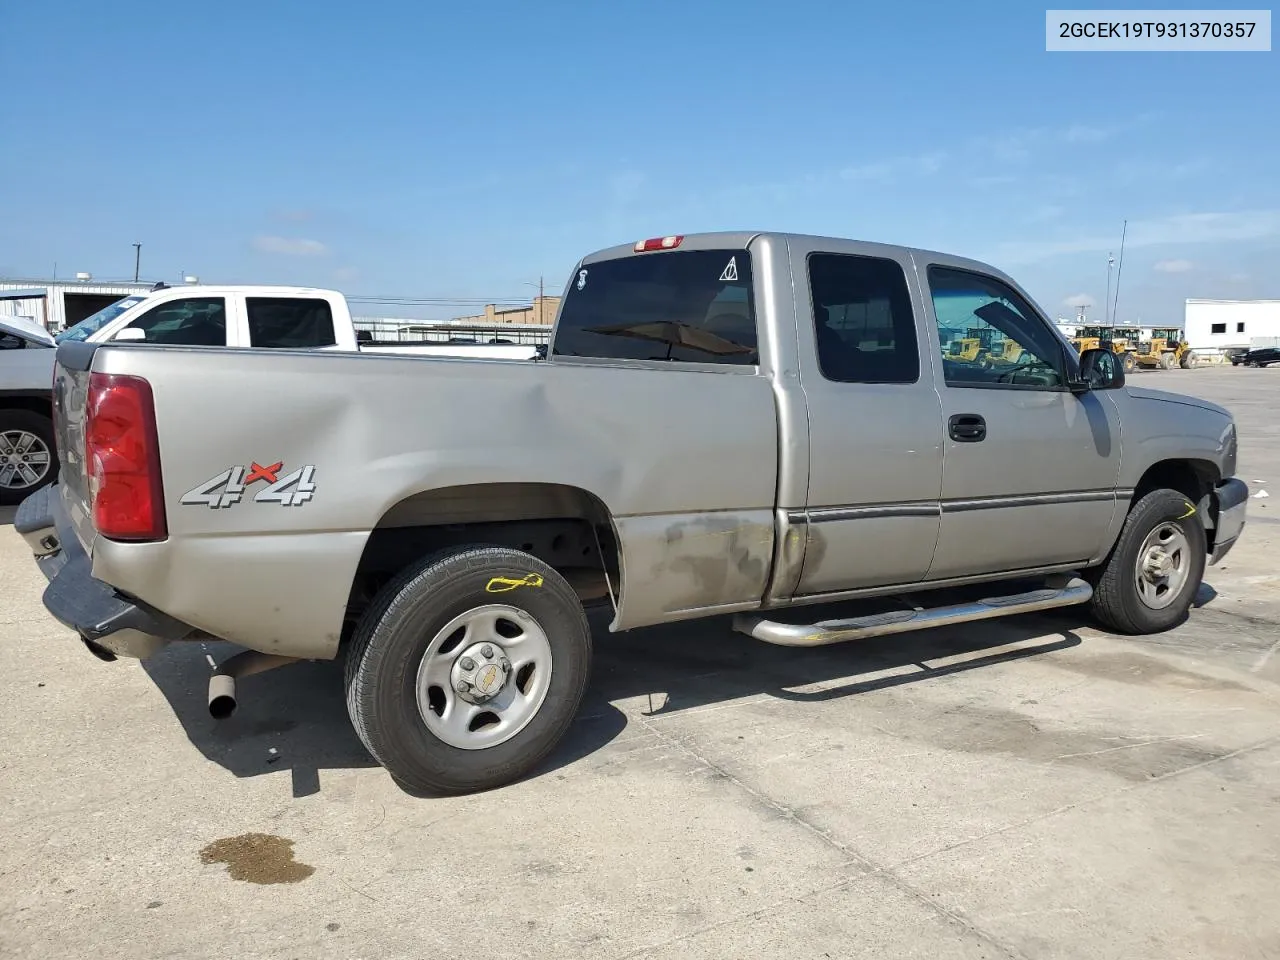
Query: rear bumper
[(1230, 501), (110, 624)]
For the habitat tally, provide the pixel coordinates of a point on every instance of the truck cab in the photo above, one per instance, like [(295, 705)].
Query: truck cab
[(225, 316)]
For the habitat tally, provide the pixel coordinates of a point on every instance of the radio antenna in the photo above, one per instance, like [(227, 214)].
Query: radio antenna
[(1119, 270)]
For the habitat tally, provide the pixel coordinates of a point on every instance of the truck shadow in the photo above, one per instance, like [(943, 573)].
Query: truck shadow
[(295, 718)]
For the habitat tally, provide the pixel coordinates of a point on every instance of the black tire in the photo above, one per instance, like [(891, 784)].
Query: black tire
[(1166, 361), (1129, 363), (1188, 360), (395, 633), (28, 421), (1116, 600)]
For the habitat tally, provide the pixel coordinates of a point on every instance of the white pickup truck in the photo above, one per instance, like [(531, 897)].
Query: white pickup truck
[(286, 318)]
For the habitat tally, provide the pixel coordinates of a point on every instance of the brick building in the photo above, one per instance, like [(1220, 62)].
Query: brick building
[(541, 311)]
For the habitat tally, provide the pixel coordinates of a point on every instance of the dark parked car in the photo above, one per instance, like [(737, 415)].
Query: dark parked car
[(1261, 357)]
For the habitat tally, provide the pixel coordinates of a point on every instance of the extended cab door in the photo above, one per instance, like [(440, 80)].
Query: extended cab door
[(875, 434), (1029, 468), (294, 322)]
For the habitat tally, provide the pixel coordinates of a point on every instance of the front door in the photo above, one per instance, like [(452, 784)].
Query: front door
[(875, 434), (1029, 468)]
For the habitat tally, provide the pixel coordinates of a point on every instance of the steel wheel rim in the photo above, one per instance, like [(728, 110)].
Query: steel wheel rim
[(1164, 563), (25, 459), (450, 714)]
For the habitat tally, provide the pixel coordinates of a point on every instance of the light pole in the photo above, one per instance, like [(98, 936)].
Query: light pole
[(540, 305), (1106, 307)]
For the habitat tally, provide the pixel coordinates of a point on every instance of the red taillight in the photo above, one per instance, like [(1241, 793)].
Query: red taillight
[(658, 243), (122, 459)]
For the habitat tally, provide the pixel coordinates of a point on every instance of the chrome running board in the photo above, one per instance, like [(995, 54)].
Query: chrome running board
[(903, 621)]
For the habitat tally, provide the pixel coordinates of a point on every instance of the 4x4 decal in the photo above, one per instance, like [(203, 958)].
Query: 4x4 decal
[(231, 486)]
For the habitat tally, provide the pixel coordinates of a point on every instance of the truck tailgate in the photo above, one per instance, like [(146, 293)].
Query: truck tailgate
[(70, 391)]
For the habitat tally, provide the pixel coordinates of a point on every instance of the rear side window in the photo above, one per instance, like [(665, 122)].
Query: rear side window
[(863, 324), (289, 322), (194, 322), (692, 306)]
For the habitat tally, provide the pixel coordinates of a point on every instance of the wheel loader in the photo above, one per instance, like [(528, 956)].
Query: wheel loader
[(972, 348), (1113, 338), (1174, 345), (1124, 341)]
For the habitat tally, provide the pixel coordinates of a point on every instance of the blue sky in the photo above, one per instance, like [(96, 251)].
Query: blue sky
[(451, 150)]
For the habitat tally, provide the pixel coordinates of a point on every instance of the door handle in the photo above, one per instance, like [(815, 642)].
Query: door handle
[(967, 428)]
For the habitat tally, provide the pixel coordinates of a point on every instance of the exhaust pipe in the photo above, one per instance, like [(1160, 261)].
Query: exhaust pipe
[(222, 685)]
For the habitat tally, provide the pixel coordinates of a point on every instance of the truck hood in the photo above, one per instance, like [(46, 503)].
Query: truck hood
[(1145, 393), (27, 329)]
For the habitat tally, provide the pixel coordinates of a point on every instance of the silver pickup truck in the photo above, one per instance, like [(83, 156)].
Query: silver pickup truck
[(740, 424)]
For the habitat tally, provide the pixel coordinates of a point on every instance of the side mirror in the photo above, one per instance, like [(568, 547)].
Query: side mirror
[(1100, 369), (131, 333)]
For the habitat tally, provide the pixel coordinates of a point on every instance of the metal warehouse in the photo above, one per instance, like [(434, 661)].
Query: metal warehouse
[(58, 304), (1219, 326)]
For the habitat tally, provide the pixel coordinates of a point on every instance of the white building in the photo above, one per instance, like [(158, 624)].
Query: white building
[(1217, 326), (58, 304)]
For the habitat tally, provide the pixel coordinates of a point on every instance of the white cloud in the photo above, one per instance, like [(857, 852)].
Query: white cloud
[(1079, 133), (1173, 266), (1078, 300), (1050, 211), (1183, 228), (290, 246), (924, 164), (345, 274)]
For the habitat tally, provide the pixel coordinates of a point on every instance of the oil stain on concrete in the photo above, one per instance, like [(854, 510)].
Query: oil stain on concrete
[(257, 858)]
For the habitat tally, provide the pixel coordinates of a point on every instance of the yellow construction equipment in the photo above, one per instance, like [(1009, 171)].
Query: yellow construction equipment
[(1170, 343), (973, 348), (1092, 338), (966, 350), (1004, 353)]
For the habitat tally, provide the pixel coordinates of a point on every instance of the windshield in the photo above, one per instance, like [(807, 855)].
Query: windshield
[(92, 324)]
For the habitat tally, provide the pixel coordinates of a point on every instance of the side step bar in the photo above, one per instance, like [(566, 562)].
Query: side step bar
[(902, 621)]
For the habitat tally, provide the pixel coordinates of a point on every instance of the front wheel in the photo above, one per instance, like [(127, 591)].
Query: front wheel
[(1129, 363), (467, 670), (1148, 583)]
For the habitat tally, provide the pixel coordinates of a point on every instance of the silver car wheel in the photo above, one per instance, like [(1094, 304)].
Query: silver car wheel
[(24, 460), (484, 676), (1164, 560)]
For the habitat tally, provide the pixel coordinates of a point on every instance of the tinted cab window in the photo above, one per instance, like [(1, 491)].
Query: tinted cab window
[(692, 306), (289, 322), (863, 324), (193, 322)]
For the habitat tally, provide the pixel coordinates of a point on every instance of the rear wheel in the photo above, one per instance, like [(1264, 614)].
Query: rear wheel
[(1129, 363), (467, 670), (1151, 577), (28, 459)]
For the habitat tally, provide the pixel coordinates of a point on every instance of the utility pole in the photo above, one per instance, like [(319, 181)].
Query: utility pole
[(137, 260)]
